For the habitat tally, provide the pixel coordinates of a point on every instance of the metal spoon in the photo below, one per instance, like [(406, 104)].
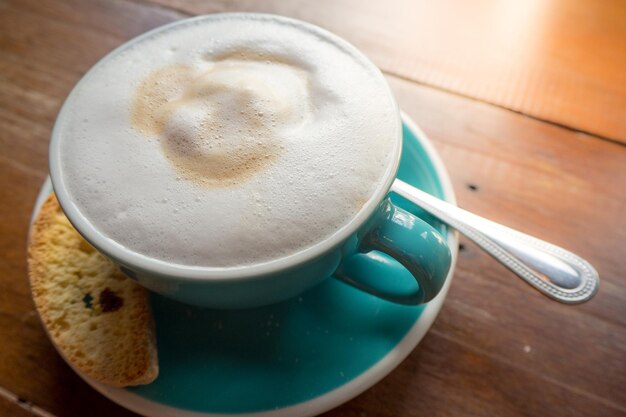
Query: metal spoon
[(553, 271)]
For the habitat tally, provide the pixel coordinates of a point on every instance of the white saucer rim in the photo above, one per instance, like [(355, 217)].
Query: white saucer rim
[(337, 396)]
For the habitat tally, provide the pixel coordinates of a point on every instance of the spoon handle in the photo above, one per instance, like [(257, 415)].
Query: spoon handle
[(552, 270)]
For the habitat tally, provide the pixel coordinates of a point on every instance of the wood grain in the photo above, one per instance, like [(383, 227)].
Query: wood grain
[(14, 408), (558, 60), (497, 348)]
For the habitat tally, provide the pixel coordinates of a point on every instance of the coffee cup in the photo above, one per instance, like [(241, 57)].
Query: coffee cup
[(236, 160)]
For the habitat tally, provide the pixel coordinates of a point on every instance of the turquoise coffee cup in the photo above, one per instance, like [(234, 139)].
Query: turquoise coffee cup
[(380, 241)]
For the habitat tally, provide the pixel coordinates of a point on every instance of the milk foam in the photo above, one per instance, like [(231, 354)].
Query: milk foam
[(227, 142)]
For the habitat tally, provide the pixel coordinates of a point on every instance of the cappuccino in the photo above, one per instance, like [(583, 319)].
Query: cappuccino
[(227, 141)]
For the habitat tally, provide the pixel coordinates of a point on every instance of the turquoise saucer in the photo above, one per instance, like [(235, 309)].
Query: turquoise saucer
[(297, 358)]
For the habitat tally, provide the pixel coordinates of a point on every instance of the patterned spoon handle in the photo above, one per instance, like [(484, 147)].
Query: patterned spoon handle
[(552, 270)]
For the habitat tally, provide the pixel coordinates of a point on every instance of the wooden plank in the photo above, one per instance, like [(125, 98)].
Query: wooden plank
[(80, 39), (12, 406), (480, 50), (557, 60), (445, 377), (496, 349)]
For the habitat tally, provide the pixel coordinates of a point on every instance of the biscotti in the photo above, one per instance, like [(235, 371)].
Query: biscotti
[(99, 319)]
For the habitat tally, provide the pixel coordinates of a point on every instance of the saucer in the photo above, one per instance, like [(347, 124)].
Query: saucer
[(300, 357)]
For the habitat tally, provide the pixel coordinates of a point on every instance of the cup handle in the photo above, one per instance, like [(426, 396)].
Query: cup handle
[(413, 246)]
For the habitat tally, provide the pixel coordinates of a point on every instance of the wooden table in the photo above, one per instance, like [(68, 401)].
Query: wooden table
[(525, 101)]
